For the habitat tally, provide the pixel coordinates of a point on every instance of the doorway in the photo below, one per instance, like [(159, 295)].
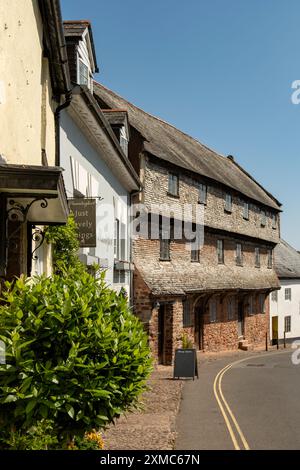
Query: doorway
[(161, 333), (274, 330), (241, 319)]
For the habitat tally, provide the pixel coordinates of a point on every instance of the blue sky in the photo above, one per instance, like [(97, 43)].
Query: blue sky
[(219, 70)]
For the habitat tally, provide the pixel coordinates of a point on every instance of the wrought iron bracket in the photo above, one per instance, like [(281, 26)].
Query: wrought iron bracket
[(18, 213), (38, 236)]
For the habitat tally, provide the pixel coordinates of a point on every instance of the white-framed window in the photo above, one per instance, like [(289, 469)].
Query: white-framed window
[(213, 310), (202, 193), (84, 74), (274, 296), (287, 323), (228, 202), (288, 293)]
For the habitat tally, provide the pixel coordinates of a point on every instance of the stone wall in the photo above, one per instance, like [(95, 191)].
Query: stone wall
[(220, 335), (156, 192)]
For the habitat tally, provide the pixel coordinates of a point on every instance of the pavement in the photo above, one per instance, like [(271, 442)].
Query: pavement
[(254, 404)]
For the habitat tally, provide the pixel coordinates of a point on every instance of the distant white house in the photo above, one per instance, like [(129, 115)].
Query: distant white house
[(285, 303), (99, 178)]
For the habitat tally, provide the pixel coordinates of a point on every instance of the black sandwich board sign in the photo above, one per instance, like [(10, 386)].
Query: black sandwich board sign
[(185, 364)]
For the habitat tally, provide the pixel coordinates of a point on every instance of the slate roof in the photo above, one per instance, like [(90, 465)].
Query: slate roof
[(171, 279), (168, 143), (287, 261)]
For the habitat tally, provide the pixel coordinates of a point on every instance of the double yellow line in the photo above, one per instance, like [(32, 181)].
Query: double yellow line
[(236, 434)]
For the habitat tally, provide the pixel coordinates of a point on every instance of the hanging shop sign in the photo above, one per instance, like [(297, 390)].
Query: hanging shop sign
[(84, 211)]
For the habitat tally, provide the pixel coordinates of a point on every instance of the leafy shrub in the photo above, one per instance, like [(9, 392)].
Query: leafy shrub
[(65, 243), (38, 437), (75, 354), (186, 342)]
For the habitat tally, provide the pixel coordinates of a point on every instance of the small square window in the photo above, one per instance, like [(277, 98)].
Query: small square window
[(239, 254), (220, 251), (202, 193), (164, 249), (246, 210), (228, 202), (257, 257), (173, 188), (195, 254), (270, 259), (187, 314)]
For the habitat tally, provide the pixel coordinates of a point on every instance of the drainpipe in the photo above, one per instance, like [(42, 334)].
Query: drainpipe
[(68, 98)]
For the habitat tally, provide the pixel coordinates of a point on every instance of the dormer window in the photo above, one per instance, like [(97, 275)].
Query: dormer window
[(81, 52), (118, 120)]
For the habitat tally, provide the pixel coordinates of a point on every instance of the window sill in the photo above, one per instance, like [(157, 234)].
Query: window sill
[(257, 266), (164, 259), (195, 261), (175, 196), (228, 211), (202, 203), (241, 265), (246, 218)]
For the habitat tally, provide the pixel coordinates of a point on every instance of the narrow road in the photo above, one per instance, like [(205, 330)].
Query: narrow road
[(254, 403)]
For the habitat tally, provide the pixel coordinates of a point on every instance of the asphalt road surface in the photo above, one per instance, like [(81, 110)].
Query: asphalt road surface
[(254, 403)]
